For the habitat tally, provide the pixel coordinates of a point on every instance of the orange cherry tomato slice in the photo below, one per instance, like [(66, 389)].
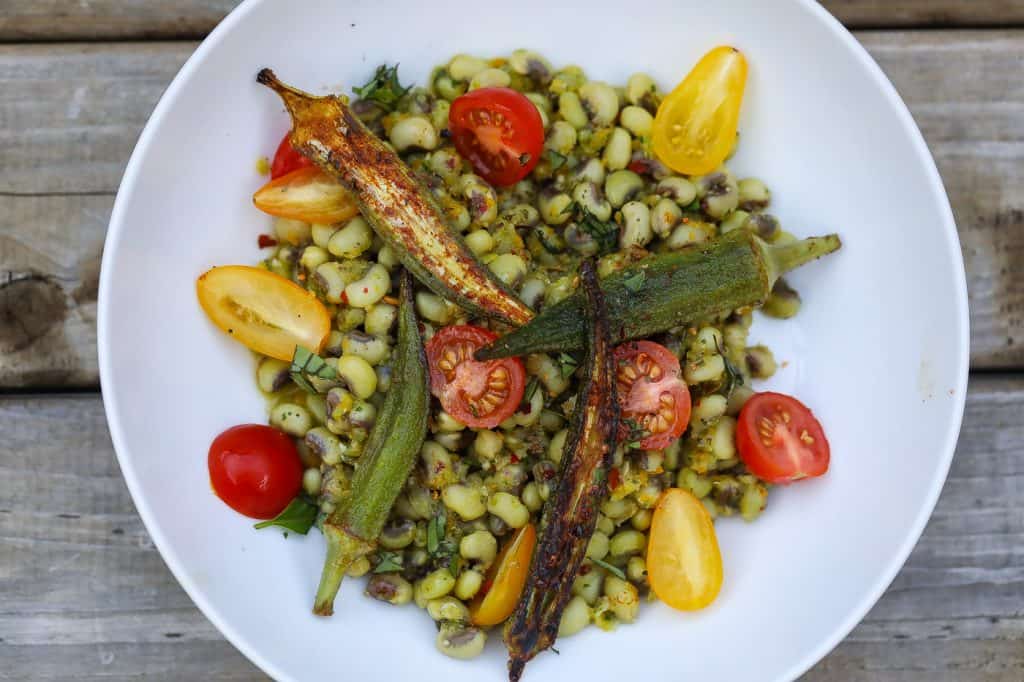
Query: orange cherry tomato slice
[(255, 470), (695, 128), (306, 194), (684, 564), (505, 579), (780, 440), (654, 398), (266, 312), (478, 394)]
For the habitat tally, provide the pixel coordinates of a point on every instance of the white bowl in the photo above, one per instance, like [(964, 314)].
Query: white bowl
[(879, 351)]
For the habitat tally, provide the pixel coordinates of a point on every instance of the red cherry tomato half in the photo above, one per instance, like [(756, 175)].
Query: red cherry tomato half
[(780, 440), (478, 394), (652, 394), (255, 470), (499, 131), (286, 159)]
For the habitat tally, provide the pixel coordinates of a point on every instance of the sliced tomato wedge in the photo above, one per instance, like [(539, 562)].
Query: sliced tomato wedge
[(654, 398), (306, 194), (499, 131), (780, 440), (266, 312), (505, 580), (478, 394), (287, 159), (684, 563)]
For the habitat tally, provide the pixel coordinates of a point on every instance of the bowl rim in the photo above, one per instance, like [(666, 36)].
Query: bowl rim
[(116, 229)]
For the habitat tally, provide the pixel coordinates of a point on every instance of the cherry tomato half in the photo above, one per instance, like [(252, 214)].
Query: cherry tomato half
[(653, 396), (684, 564), (499, 131), (264, 311), (505, 580), (780, 440), (695, 128), (306, 194), (255, 469), (287, 159), (478, 394)]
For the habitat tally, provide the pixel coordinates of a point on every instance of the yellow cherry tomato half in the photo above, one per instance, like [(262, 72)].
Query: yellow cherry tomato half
[(695, 128), (500, 594), (684, 565), (266, 312), (306, 194)]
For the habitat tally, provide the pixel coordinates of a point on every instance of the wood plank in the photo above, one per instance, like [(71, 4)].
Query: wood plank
[(969, 114), (57, 20), (110, 19), (84, 594), (50, 248)]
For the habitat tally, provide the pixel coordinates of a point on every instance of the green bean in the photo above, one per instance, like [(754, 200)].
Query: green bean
[(575, 617), (753, 194), (783, 303), (390, 587), (460, 641), (468, 584), (465, 501), (272, 375), (622, 186), (291, 418)]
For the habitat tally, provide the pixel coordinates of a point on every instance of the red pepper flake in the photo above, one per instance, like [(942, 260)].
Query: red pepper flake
[(584, 569), (266, 241), (366, 290), (614, 478), (639, 166), (512, 458)]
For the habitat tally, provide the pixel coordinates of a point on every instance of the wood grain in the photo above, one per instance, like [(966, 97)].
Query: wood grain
[(60, 20), (970, 116), (83, 589)]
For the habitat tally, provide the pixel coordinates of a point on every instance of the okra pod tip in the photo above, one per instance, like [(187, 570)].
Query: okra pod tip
[(781, 258)]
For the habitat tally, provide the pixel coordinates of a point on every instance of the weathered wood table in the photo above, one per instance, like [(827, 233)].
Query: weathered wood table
[(83, 593)]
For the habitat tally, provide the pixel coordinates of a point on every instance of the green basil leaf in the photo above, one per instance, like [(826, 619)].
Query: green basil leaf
[(383, 88), (306, 364), (298, 517), (389, 562), (435, 532)]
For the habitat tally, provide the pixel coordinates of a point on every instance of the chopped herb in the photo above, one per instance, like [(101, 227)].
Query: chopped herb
[(617, 572), (298, 517), (693, 206), (454, 563), (733, 375), (568, 363), (435, 531), (604, 232), (524, 159), (531, 388), (307, 364), (569, 208), (635, 282), (389, 562), (634, 433), (555, 159), (384, 88)]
